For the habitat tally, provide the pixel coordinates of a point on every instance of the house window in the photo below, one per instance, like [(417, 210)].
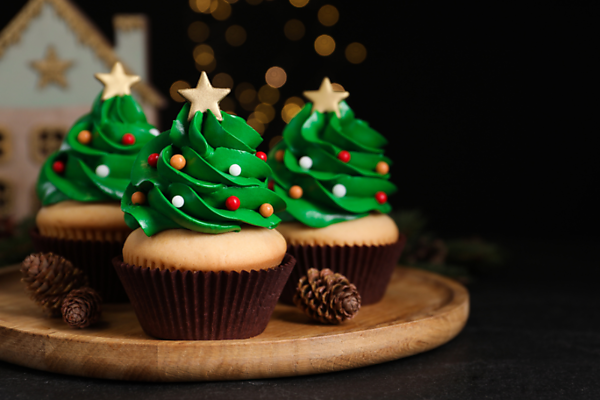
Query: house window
[(5, 147), (45, 141), (5, 198)]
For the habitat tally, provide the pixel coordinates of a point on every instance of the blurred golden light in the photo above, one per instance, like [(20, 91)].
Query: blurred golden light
[(227, 104), (204, 54), (241, 87), (208, 68), (222, 12), (276, 77), (268, 94), (231, 1), (337, 87), (256, 124), (328, 15), (356, 53), (295, 100), (175, 87), (204, 6), (193, 6), (324, 45), (298, 3), (262, 118), (198, 31), (222, 80), (265, 110), (235, 35), (294, 29), (254, 2), (273, 142), (289, 111)]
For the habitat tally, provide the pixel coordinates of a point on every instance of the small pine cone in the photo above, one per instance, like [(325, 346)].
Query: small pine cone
[(82, 307), (327, 297), (48, 278)]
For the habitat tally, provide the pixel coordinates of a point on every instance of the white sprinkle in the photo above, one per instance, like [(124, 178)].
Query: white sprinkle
[(305, 162), (155, 131), (177, 201), (339, 190), (235, 170), (102, 171)]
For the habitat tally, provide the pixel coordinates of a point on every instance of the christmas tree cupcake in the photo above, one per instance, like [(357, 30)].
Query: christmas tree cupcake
[(332, 173), (204, 261), (81, 185)]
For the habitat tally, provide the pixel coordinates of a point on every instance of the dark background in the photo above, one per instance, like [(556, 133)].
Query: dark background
[(487, 107)]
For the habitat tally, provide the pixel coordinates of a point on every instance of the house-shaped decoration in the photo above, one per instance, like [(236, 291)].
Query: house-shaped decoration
[(49, 54)]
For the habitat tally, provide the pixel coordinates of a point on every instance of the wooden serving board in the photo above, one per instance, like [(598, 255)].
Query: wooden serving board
[(419, 312)]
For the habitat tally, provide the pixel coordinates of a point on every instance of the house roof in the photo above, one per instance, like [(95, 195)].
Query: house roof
[(85, 31)]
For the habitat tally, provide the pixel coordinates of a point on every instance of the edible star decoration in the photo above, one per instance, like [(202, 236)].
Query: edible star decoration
[(325, 99), (117, 83), (204, 97), (52, 69)]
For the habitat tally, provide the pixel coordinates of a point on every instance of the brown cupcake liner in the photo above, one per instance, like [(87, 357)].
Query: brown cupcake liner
[(196, 305), (93, 257), (370, 268)]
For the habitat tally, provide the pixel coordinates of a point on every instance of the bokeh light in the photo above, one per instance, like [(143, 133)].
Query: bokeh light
[(204, 6), (289, 111), (324, 45), (268, 94), (294, 29), (222, 80), (256, 124), (204, 54), (222, 12), (177, 85), (356, 53), (227, 105), (337, 87), (246, 95), (207, 68), (328, 15), (235, 35), (299, 3), (266, 111), (198, 31), (295, 100), (231, 1), (276, 77)]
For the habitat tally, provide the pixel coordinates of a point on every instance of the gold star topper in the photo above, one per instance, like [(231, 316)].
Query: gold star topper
[(117, 83), (325, 99), (52, 69), (204, 97)]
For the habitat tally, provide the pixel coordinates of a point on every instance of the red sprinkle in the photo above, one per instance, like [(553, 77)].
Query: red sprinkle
[(128, 138), (58, 167), (261, 155), (381, 197), (344, 156), (153, 159), (232, 203), (271, 185)]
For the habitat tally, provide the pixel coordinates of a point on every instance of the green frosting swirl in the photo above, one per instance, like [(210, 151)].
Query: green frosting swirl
[(108, 121), (209, 147), (321, 137)]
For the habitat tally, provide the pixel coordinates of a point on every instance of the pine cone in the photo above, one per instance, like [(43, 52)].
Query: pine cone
[(327, 297), (82, 307), (48, 278)]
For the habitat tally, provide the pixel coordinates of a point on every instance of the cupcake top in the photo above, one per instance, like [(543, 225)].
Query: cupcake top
[(329, 167), (95, 159), (203, 174)]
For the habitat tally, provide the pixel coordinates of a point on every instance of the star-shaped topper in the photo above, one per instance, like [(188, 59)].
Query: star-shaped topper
[(204, 97), (325, 99), (117, 83), (52, 69)]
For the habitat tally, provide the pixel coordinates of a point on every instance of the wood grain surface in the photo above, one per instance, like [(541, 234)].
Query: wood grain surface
[(419, 312)]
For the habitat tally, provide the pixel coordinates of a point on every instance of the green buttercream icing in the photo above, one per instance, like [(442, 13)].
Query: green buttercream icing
[(321, 137), (108, 121), (209, 147)]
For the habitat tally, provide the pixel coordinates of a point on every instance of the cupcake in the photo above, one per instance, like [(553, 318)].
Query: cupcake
[(81, 185), (204, 261), (330, 169)]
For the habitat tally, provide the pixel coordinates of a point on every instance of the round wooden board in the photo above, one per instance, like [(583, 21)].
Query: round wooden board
[(419, 312)]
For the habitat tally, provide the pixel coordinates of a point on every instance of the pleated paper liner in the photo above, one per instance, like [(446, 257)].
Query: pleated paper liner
[(196, 305), (93, 257), (368, 267)]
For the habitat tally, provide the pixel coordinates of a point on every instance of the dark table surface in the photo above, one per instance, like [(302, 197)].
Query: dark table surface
[(533, 333)]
